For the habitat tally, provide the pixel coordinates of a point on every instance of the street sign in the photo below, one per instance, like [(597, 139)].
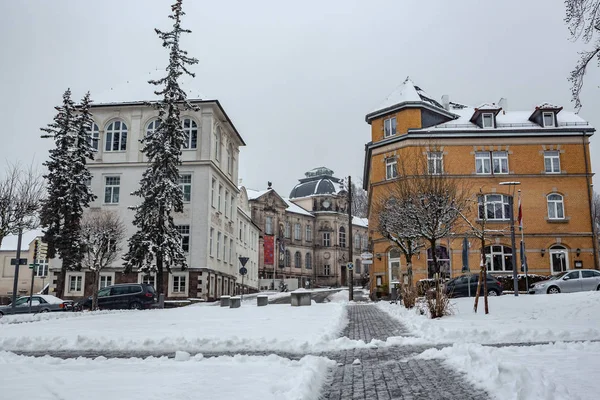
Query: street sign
[(243, 261), (243, 271), (350, 266), (23, 261), (367, 262), (366, 256)]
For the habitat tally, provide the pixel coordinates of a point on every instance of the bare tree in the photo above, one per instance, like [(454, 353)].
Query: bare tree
[(360, 202), (101, 235), (21, 191), (596, 211), (583, 20)]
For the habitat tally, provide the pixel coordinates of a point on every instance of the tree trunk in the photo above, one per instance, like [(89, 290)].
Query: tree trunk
[(436, 268), (409, 270), (159, 274), (60, 283), (95, 285)]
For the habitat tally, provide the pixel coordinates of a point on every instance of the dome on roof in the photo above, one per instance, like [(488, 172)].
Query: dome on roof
[(318, 181)]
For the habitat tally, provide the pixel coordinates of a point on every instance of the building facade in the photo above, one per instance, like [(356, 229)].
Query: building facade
[(212, 206), (545, 150), (305, 237)]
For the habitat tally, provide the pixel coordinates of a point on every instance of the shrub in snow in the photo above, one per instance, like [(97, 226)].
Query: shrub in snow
[(409, 295), (437, 305), (508, 284)]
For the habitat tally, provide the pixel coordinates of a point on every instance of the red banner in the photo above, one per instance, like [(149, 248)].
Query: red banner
[(269, 249)]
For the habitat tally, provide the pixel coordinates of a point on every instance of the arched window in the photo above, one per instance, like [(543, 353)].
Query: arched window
[(308, 261), (190, 132), (116, 136), (559, 259), (357, 266), (342, 237), (443, 260), (288, 258), (494, 207), (556, 207), (152, 127), (498, 258), (287, 230), (230, 159), (93, 135), (218, 144), (357, 240), (298, 260)]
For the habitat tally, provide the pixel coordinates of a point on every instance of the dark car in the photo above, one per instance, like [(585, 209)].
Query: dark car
[(134, 296), (459, 286)]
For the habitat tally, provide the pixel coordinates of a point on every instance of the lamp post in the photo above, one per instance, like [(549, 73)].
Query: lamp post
[(350, 265), (512, 233)]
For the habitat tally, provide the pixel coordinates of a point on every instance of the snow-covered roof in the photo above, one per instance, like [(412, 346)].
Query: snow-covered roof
[(10, 242), (547, 106), (487, 106), (296, 209), (404, 92), (364, 222), (255, 194)]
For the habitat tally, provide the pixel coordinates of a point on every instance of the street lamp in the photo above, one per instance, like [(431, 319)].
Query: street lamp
[(350, 268), (512, 233)]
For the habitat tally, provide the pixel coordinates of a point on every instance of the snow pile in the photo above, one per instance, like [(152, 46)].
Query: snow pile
[(193, 329), (339, 297), (239, 377), (526, 318), (21, 318), (552, 371)]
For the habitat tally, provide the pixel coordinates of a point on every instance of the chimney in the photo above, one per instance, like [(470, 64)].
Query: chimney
[(503, 103), (240, 182), (446, 102)]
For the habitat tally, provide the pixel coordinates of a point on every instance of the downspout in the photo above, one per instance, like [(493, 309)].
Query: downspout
[(590, 203)]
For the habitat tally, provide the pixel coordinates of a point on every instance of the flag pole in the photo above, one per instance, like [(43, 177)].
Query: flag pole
[(524, 265)]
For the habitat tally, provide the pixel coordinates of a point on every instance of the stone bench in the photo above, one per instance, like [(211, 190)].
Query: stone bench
[(225, 301), (262, 300), (235, 302), (300, 299)]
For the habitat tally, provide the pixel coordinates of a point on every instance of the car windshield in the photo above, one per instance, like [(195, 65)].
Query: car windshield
[(558, 276)]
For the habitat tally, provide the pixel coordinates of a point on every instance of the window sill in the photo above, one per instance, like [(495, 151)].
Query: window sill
[(493, 221), (188, 149), (552, 173), (114, 151), (558, 221), (110, 204)]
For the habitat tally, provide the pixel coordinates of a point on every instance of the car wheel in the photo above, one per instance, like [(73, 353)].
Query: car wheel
[(136, 305), (598, 288), (493, 292), (1, 315), (45, 310), (553, 290)]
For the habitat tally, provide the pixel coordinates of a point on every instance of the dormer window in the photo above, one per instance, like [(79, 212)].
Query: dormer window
[(389, 127), (487, 120), (548, 119)]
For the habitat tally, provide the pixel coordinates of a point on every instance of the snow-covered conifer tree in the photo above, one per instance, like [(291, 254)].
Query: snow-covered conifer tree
[(157, 246), (67, 183)]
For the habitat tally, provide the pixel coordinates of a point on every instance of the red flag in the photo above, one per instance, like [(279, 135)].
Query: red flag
[(269, 249), (520, 217)]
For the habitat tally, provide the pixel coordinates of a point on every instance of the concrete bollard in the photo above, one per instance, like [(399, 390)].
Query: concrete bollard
[(262, 300), (235, 302), (225, 301), (300, 299)]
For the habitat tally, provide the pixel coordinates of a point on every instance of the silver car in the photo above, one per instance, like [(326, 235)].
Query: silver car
[(41, 303), (568, 281)]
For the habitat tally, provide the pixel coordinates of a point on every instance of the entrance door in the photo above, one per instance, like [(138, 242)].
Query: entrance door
[(394, 269), (343, 277)]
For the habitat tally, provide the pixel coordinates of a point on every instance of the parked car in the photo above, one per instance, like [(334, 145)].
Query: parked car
[(41, 303), (134, 296), (459, 286), (568, 281)]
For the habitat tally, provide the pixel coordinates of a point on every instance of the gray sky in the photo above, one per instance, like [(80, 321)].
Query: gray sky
[(297, 78)]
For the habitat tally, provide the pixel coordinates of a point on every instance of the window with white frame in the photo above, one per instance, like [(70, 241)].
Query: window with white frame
[(365, 242), (179, 284), (552, 162), (184, 231), (213, 190), (230, 251), (269, 225), (389, 127), (548, 119), (230, 159), (105, 280), (500, 162), (240, 229), (116, 136), (483, 163), (326, 239), (498, 258), (326, 269), (149, 279), (218, 144), (211, 240), (342, 236), (297, 232), (298, 260), (288, 258), (308, 261), (218, 245), (111, 189), (494, 207), (190, 133), (357, 241), (185, 184), (227, 204), (152, 127), (287, 230), (308, 233), (75, 283), (556, 207), (435, 163), (225, 252), (391, 168), (487, 120), (231, 207), (93, 133), (41, 268)]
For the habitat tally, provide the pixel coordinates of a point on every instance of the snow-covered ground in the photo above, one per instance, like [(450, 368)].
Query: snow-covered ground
[(558, 371), (526, 318), (193, 328), (239, 377)]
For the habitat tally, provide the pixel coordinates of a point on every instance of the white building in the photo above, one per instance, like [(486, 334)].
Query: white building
[(209, 173)]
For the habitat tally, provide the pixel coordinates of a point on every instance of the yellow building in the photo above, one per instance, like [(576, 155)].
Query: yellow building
[(546, 149)]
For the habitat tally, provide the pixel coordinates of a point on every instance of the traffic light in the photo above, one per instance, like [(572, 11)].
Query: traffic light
[(42, 250), (36, 249)]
